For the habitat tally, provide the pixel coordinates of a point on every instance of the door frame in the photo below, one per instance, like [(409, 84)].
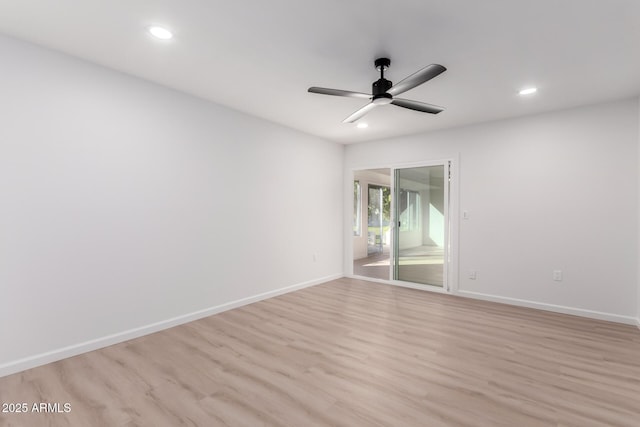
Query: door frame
[(451, 272)]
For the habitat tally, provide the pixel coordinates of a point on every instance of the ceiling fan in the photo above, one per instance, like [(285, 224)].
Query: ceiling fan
[(383, 91)]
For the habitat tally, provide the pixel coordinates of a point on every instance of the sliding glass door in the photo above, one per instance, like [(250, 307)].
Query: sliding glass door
[(420, 239)]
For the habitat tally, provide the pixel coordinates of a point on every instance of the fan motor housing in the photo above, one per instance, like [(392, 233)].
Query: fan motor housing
[(381, 86)]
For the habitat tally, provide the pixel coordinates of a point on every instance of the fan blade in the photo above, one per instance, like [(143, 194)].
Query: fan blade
[(417, 78), (338, 92), (361, 112), (417, 106)]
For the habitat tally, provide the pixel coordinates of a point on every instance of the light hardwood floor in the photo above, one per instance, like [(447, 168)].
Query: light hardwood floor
[(351, 353)]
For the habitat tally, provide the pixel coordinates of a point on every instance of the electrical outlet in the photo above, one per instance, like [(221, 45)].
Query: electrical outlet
[(473, 275), (557, 275)]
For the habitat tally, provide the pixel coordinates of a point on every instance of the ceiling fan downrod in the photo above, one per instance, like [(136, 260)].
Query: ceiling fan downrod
[(381, 86)]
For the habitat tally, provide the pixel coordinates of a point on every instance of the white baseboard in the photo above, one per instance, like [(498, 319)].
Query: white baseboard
[(552, 307), (513, 301), (84, 347)]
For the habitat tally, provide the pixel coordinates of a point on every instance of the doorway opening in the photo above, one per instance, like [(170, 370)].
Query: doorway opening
[(372, 223)]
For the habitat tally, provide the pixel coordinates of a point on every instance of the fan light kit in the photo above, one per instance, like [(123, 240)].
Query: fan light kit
[(161, 33), (528, 91), (384, 91)]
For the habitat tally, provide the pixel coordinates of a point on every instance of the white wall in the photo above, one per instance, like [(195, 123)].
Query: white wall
[(125, 204), (638, 199), (545, 192)]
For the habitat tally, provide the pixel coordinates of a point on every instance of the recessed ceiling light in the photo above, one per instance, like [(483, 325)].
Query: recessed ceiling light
[(528, 91), (362, 125), (161, 33)]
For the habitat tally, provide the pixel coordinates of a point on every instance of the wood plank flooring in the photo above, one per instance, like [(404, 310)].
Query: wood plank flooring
[(350, 353)]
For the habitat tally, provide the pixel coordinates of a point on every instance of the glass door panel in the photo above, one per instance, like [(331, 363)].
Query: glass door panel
[(421, 225)]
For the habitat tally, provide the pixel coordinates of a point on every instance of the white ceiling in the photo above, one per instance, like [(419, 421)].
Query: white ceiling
[(260, 56)]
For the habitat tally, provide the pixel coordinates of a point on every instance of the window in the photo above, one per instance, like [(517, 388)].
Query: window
[(357, 209), (410, 210)]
